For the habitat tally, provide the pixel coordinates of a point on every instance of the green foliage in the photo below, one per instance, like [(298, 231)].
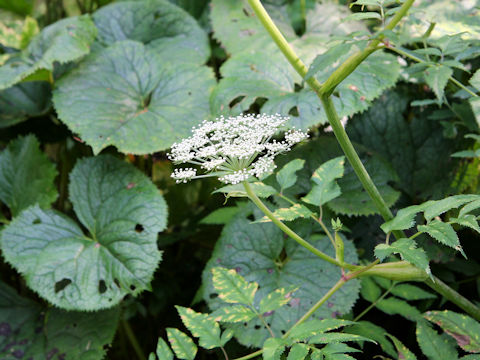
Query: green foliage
[(407, 248), (62, 42), (182, 345), (233, 288), (433, 345), (32, 330), (402, 350), (123, 212), (26, 175), (286, 175), (202, 327), (464, 329)]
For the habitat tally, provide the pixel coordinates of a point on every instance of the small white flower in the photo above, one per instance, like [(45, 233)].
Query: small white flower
[(234, 148)]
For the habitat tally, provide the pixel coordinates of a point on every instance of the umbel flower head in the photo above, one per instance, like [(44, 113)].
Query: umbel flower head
[(233, 149)]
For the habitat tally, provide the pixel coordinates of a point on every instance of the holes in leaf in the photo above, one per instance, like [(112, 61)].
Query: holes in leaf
[(236, 101), (139, 228), (294, 111), (251, 217), (245, 11), (147, 100), (189, 93), (37, 221), (102, 287), (213, 296), (257, 327), (132, 287), (62, 284), (117, 282)]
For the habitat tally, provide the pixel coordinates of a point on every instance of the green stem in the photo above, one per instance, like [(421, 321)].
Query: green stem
[(133, 340), (440, 287), (398, 270), (374, 303), (418, 59), (255, 199)]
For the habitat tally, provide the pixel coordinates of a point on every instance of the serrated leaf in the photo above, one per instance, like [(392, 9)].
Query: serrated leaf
[(437, 208), (475, 80), (370, 291), (276, 299), (325, 188), (226, 336), (469, 208), (394, 306), (159, 24), (289, 214), (298, 352), (433, 345), (163, 351), (64, 41), (273, 349), (437, 78), (123, 212), (407, 249), (328, 338), (201, 326), (233, 314), (182, 344), (253, 251), (402, 351), (363, 16), (131, 89), (22, 101), (411, 292), (464, 329), (26, 175), (238, 190), (314, 327), (232, 288), (286, 176), (335, 55), (404, 219), (469, 221), (374, 332), (443, 233), (31, 330)]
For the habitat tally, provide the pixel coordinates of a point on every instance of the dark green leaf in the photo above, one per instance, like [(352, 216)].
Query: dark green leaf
[(402, 351), (394, 306), (286, 176), (433, 345), (374, 332), (26, 176), (443, 233), (411, 292), (407, 249)]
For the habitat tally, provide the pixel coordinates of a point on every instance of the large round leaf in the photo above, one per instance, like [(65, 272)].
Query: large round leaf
[(158, 23), (127, 97), (62, 42), (123, 213), (261, 253), (31, 331)]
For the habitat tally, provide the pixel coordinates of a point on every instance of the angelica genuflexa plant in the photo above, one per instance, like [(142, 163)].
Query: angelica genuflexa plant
[(233, 149)]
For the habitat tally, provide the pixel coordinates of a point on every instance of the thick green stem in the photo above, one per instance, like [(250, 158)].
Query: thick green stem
[(252, 196), (440, 287), (398, 270), (133, 340)]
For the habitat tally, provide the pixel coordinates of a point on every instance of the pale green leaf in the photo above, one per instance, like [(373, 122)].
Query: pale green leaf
[(437, 208), (286, 176), (468, 208), (333, 56), (443, 233), (254, 250), (273, 349), (402, 351), (128, 91), (464, 329), (201, 326), (298, 352), (411, 292), (221, 216), (315, 327), (226, 336), (437, 78), (164, 27), (64, 41), (26, 175), (182, 345), (469, 221), (475, 80), (325, 188), (232, 288), (123, 212), (163, 351), (233, 314), (433, 345), (407, 249), (276, 299), (27, 335), (328, 338), (289, 214), (404, 219), (363, 16)]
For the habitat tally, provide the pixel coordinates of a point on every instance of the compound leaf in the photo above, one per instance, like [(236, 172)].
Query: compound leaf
[(464, 329), (298, 352), (437, 78), (232, 288), (126, 95), (201, 326), (182, 344), (289, 214), (233, 314), (443, 233), (123, 212), (402, 351), (411, 292), (276, 300), (163, 351), (286, 176), (433, 345), (373, 332), (26, 175), (407, 248)]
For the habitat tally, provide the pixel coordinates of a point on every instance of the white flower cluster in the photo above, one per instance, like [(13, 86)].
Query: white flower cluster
[(234, 148)]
